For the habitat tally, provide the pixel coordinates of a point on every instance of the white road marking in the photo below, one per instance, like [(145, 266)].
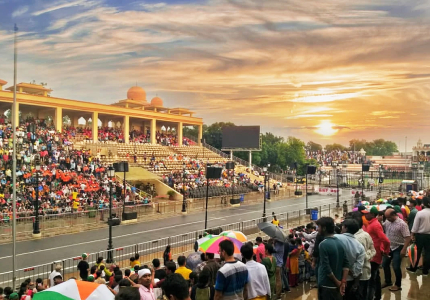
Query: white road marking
[(151, 230)]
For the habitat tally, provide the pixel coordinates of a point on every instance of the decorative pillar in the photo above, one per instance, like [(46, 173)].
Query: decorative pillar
[(250, 160), (180, 137), (126, 129), (74, 121), (58, 119), (152, 131), (95, 126), (15, 114), (200, 135)]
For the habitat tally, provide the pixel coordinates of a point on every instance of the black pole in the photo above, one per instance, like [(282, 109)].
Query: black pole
[(207, 200), (184, 203), (337, 191), (362, 182), (125, 189), (264, 203), (110, 246), (306, 192), (36, 229)]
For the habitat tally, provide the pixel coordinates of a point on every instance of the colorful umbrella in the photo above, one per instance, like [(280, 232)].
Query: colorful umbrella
[(235, 234), (75, 290), (205, 238), (212, 245)]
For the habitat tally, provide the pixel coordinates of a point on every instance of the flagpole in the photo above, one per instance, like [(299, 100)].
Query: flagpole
[(15, 116)]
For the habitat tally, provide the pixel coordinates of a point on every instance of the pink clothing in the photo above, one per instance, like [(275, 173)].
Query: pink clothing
[(146, 294), (260, 253)]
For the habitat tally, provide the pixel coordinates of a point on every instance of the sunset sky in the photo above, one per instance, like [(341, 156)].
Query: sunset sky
[(327, 71)]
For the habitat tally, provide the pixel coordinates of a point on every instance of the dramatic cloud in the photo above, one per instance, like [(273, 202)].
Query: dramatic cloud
[(288, 65)]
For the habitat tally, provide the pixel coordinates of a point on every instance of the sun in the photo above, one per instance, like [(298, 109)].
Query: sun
[(326, 128)]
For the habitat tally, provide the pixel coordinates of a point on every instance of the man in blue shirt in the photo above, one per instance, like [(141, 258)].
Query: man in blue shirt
[(232, 278), (355, 254), (333, 264)]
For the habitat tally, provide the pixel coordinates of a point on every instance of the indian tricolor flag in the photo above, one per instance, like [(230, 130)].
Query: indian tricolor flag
[(76, 290)]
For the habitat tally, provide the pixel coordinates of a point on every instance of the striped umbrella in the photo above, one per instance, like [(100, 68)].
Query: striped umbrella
[(205, 238), (212, 245), (75, 290), (235, 234)]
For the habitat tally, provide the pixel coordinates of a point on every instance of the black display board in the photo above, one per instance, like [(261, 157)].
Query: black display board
[(241, 137)]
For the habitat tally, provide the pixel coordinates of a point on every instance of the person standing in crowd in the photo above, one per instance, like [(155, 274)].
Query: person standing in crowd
[(159, 273), (182, 269), (294, 263), (232, 277), (212, 266), (366, 241), (54, 273), (397, 232), (202, 290), (83, 267), (270, 263), (310, 235), (261, 250), (145, 280), (420, 234), (279, 256), (382, 247), (412, 213), (333, 265), (167, 255), (356, 255), (258, 287), (175, 287)]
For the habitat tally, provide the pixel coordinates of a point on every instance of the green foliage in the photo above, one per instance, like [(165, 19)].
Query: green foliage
[(334, 147), (378, 147), (311, 146)]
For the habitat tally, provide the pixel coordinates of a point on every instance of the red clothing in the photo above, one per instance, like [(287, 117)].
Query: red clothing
[(261, 251), (419, 207), (380, 240)]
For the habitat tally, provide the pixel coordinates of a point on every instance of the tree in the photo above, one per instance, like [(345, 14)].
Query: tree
[(378, 147), (191, 132), (334, 147), (311, 146)]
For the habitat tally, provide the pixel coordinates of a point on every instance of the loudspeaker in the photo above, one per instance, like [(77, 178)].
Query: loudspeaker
[(129, 216), (298, 193), (121, 166), (311, 170), (115, 222), (213, 172), (234, 201), (365, 168), (229, 165)]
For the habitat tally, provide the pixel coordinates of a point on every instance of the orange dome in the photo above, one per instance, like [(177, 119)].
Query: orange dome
[(157, 101), (136, 93)]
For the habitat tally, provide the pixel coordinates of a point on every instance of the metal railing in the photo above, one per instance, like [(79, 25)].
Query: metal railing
[(180, 245)]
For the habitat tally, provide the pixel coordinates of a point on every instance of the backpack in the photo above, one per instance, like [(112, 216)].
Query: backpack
[(203, 294)]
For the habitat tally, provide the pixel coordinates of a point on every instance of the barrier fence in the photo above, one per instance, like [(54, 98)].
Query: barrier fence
[(180, 244), (56, 224)]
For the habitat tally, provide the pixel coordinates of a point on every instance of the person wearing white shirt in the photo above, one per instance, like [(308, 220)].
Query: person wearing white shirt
[(54, 273), (420, 233), (258, 286)]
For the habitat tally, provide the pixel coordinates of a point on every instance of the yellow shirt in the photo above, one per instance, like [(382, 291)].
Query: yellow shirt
[(184, 272), (133, 263), (75, 195), (75, 204), (275, 222)]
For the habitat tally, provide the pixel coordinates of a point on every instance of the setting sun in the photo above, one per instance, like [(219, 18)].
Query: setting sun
[(326, 128)]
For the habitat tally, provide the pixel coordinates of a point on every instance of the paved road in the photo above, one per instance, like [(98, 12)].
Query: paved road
[(47, 250)]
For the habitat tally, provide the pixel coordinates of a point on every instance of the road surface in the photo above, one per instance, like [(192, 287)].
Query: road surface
[(48, 250)]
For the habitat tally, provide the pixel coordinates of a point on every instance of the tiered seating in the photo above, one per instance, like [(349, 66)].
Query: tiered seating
[(198, 152)]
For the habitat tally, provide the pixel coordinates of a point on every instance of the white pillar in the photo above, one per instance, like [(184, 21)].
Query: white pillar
[(152, 131), (200, 135), (250, 160), (231, 154), (58, 119), (180, 136), (95, 126), (126, 129)]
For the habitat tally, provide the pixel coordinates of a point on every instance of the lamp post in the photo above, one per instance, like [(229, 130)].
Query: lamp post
[(264, 190), (36, 229), (111, 175), (184, 199), (334, 164), (268, 183)]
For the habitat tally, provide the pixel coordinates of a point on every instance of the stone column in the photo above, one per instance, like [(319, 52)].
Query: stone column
[(15, 114), (95, 126), (250, 160), (58, 119), (180, 135), (126, 129), (153, 126), (200, 135)]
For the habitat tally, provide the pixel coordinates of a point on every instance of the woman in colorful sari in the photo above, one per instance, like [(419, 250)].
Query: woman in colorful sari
[(294, 263)]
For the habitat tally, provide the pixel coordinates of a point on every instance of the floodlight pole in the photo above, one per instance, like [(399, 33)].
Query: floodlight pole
[(15, 122)]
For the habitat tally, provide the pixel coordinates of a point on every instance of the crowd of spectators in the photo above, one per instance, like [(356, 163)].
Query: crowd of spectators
[(325, 158), (68, 180)]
